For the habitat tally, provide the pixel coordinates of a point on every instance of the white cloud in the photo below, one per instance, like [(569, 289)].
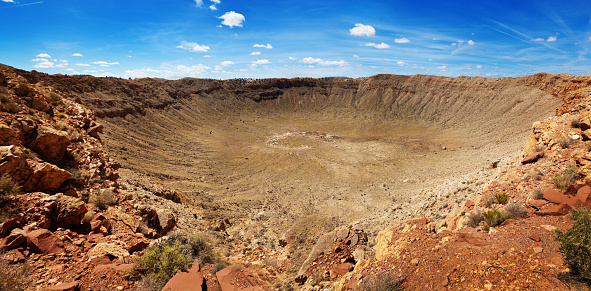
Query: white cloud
[(268, 46), (232, 19), (192, 70), (588, 39), (292, 58), (442, 68), (77, 55), (83, 65), (551, 39), (199, 3), (255, 53), (105, 64), (208, 56), (355, 56), (39, 60), (226, 63), (401, 40), (378, 46), (479, 66), (361, 30), (400, 63), (193, 47), (9, 1), (44, 65), (43, 56), (260, 62), (470, 42), (216, 1), (310, 60), (141, 73), (212, 7), (538, 39)]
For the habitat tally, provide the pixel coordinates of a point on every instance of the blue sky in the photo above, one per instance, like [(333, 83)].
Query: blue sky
[(226, 39)]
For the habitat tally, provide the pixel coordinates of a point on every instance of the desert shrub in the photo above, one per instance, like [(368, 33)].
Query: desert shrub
[(103, 199), (566, 178), (501, 198), (7, 188), (575, 243), (495, 217), (575, 122), (538, 194), (539, 148), (516, 210), (474, 218), (488, 200), (161, 261), (564, 142), (12, 107), (385, 281), (15, 277), (61, 115), (87, 217)]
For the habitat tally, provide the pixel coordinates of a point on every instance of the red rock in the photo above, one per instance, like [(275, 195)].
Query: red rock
[(95, 130), (232, 279), (508, 222), (560, 209), (12, 241), (471, 236), (584, 196), (191, 280), (102, 260), (68, 211), (301, 279), (538, 203), (534, 237), (414, 261), (14, 256), (137, 245), (572, 189), (43, 241), (8, 136), (7, 225), (72, 286), (558, 198), (50, 143), (340, 270), (46, 177), (533, 157), (469, 203)]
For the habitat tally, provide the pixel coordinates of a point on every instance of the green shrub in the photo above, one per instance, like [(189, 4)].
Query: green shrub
[(566, 178), (501, 198), (163, 260), (575, 243), (495, 217), (7, 188)]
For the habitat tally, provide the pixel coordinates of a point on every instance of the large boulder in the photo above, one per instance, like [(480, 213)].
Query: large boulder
[(13, 160), (50, 143), (12, 241), (122, 222), (166, 220), (68, 211), (43, 241), (46, 177), (8, 136), (111, 250)]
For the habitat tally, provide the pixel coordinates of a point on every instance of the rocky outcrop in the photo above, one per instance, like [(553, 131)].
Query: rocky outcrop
[(50, 143)]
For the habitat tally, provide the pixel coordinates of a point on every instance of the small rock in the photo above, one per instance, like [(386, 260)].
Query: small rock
[(414, 261), (301, 279), (538, 250), (548, 227), (534, 237), (72, 286)]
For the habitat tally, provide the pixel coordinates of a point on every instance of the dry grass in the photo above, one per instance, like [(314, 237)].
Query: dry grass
[(14, 277), (385, 281), (474, 218), (566, 178), (516, 210)]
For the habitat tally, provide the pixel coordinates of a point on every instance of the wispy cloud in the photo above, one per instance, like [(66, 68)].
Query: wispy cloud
[(401, 40), (260, 62), (362, 29), (77, 55), (310, 60), (43, 56), (378, 45), (552, 39), (226, 63), (193, 46), (105, 64), (268, 46), (255, 53), (19, 5)]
